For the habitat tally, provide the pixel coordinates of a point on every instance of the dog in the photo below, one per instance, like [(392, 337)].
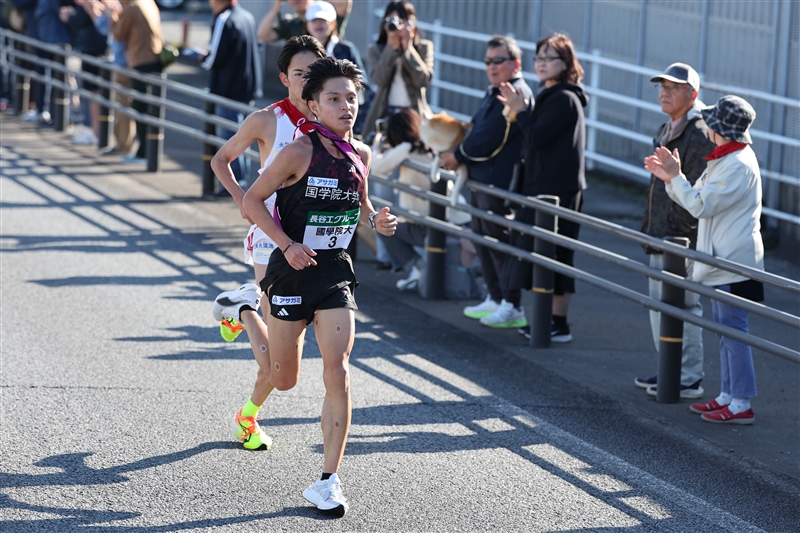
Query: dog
[(442, 133)]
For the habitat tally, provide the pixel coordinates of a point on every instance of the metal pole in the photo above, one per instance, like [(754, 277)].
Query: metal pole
[(436, 248), (437, 64), (543, 280), (637, 111), (59, 96), (22, 84), (208, 153), (106, 118), (536, 23), (155, 134), (587, 25), (594, 109), (701, 60), (670, 340)]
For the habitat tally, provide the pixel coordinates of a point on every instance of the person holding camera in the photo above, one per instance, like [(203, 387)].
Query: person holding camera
[(400, 64)]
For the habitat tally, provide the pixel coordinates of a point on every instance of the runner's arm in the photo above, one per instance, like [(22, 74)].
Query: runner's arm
[(289, 165), (258, 126)]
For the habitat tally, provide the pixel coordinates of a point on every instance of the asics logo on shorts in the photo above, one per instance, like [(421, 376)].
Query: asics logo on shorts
[(287, 300), (283, 312)]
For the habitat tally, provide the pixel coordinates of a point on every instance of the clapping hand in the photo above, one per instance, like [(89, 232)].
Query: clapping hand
[(663, 164), (511, 98)]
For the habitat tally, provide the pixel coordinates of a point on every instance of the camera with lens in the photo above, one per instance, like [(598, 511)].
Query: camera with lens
[(394, 23)]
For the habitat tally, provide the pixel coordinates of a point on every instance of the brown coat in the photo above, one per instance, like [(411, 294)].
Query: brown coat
[(417, 73), (139, 27)]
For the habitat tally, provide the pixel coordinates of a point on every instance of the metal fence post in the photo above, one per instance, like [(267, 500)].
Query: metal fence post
[(670, 340), (594, 110), (22, 84), (155, 134), (59, 96), (106, 118), (437, 64), (542, 288), (208, 153), (436, 248)]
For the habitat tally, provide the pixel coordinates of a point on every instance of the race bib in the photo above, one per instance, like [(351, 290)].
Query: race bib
[(326, 231)]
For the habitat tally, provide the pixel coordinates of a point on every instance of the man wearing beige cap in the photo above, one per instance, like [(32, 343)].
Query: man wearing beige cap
[(685, 130)]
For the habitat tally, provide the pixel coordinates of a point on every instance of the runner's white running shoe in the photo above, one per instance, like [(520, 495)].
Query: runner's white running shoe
[(228, 305), (327, 496)]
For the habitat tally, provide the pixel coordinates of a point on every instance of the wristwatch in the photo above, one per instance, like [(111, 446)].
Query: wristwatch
[(371, 218)]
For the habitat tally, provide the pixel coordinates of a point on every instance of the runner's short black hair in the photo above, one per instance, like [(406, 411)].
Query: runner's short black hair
[(325, 69), (298, 45)]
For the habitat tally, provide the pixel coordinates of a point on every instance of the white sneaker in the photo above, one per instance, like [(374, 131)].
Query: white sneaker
[(327, 496), (133, 160), (84, 136), (506, 316), (29, 116), (481, 310), (228, 305), (411, 282)]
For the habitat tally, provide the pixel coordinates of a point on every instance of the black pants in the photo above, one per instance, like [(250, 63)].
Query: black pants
[(522, 271), (495, 265), (141, 106)]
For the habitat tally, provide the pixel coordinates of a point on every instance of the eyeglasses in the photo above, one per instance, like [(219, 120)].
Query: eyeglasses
[(670, 88), (545, 59), (496, 60)]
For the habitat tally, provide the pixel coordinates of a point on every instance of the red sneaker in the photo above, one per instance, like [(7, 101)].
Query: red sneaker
[(724, 416), (705, 407)]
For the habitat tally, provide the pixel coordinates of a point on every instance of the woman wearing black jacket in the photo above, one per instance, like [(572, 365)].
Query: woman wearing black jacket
[(554, 135)]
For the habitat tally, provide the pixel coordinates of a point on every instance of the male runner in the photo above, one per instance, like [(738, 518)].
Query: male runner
[(273, 128), (321, 185)]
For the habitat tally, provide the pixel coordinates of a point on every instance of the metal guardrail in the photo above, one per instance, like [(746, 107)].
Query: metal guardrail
[(438, 201), (13, 57), (596, 62), (775, 315)]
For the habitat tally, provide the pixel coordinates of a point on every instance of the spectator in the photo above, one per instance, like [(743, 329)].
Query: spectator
[(86, 40), (30, 27), (686, 132), (124, 125), (490, 153), (137, 23), (50, 30), (555, 135), (727, 201), (235, 70), (321, 24), (400, 64), (403, 139), (274, 28)]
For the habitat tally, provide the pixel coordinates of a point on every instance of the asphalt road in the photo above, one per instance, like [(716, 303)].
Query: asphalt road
[(116, 390)]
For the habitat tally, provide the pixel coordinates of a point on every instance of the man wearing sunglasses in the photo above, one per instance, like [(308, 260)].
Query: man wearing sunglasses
[(490, 153)]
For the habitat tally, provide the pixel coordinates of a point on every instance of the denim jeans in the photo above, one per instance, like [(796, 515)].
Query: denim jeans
[(692, 355), (738, 376), (241, 165)]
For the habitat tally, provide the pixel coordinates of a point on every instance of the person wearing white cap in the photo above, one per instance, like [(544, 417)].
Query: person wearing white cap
[(685, 131), (321, 23), (273, 27), (727, 201)]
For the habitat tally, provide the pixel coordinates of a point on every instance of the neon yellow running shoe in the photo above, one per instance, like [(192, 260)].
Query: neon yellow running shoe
[(247, 431), (229, 329)]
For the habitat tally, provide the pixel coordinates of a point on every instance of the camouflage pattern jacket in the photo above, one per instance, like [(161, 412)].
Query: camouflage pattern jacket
[(662, 216)]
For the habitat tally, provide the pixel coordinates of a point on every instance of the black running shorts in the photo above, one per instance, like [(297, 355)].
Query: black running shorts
[(297, 294)]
